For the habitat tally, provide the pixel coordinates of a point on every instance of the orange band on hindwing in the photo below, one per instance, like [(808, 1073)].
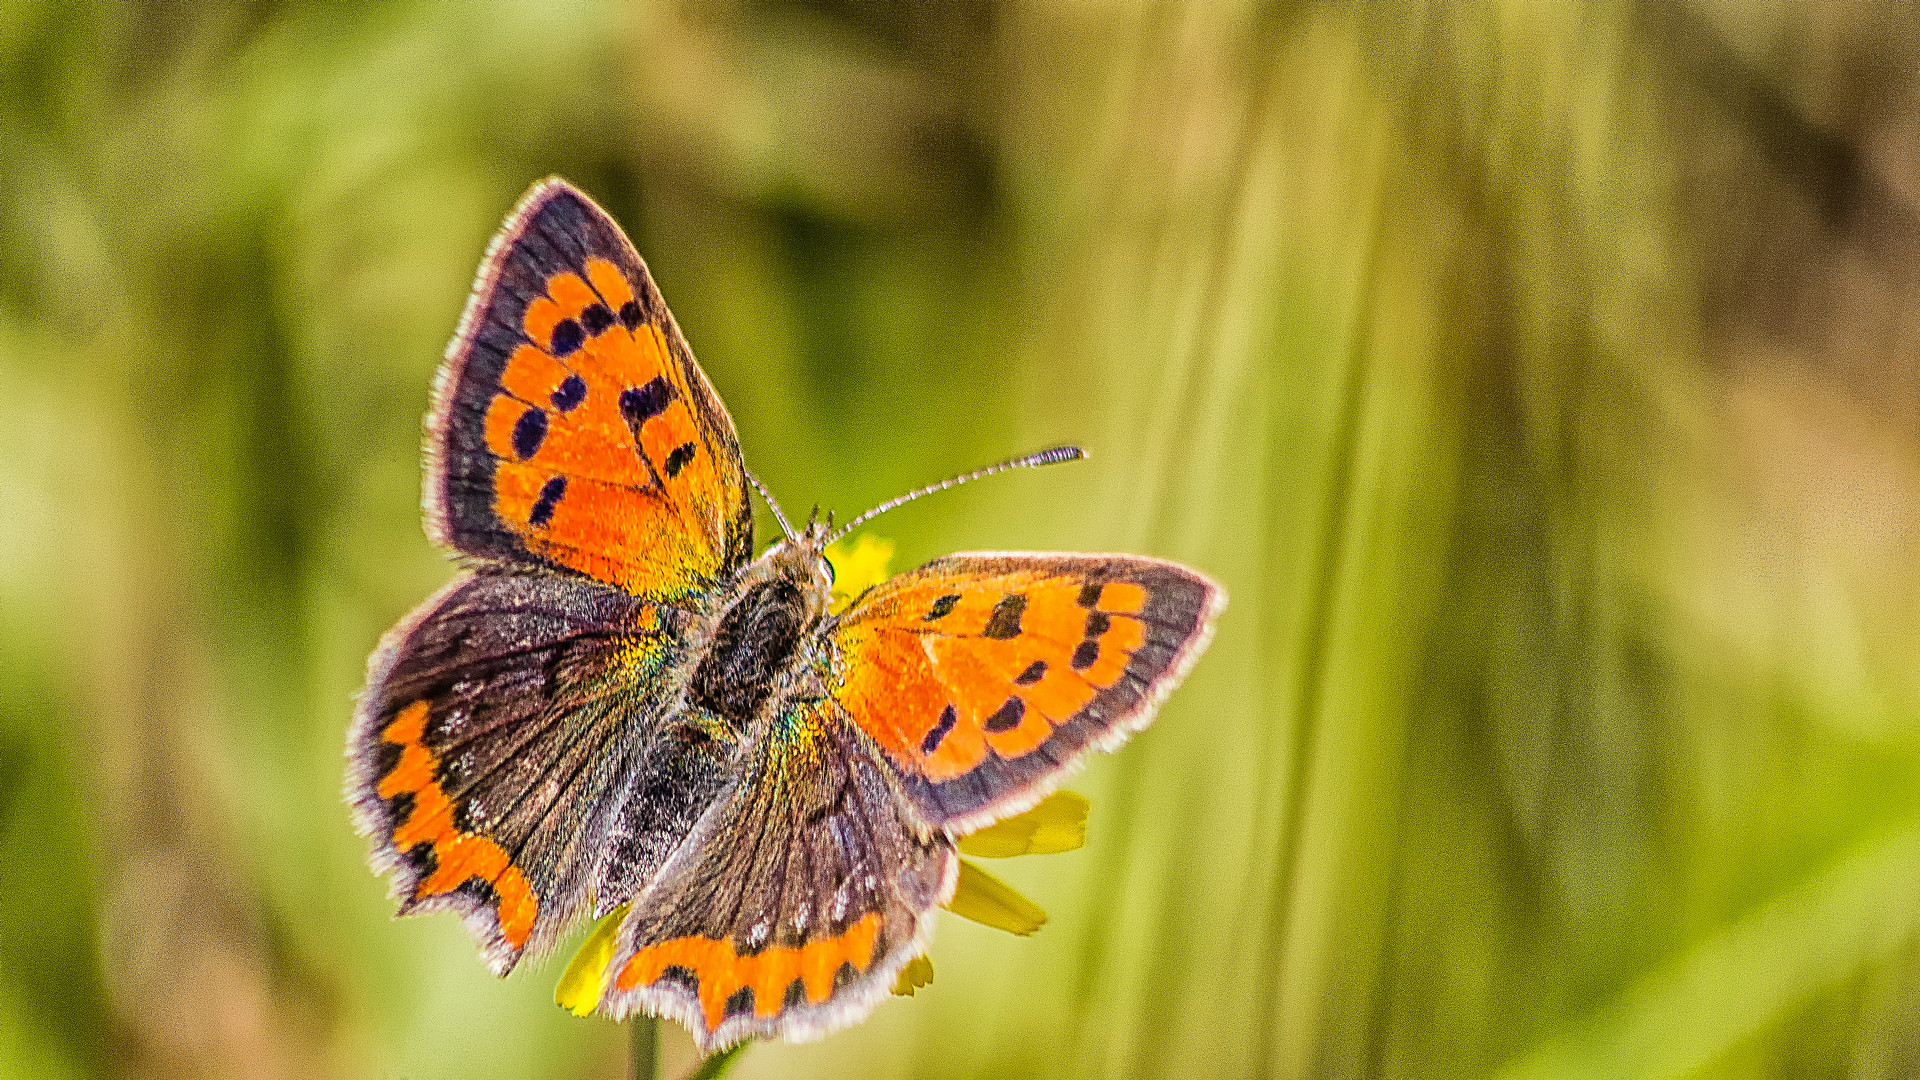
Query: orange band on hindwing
[(722, 971), (458, 856)]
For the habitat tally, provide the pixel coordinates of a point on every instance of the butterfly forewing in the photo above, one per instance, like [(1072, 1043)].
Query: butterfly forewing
[(797, 900), (572, 427), (983, 676)]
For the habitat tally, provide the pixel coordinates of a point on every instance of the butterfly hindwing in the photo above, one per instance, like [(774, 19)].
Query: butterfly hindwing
[(571, 426), (982, 677), (797, 900), (509, 762)]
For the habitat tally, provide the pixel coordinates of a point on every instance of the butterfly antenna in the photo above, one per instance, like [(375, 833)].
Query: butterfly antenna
[(766, 495), (1030, 461)]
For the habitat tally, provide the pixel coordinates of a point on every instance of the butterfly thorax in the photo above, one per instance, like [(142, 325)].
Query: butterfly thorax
[(765, 617)]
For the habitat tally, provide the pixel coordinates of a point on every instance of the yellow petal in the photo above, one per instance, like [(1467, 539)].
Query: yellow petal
[(857, 568), (1058, 824), (917, 973), (991, 902), (579, 988)]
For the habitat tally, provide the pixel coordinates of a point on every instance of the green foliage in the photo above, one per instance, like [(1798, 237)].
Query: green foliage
[(1528, 373), (722, 1063)]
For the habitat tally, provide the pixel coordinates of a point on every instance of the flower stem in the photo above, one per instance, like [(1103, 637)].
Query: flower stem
[(641, 1063)]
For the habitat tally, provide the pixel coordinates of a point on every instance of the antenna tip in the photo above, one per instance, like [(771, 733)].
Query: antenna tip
[(1059, 453)]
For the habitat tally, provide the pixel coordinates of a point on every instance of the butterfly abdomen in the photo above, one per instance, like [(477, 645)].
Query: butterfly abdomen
[(751, 646)]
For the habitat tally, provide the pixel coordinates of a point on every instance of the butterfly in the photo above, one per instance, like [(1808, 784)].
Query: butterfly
[(618, 703)]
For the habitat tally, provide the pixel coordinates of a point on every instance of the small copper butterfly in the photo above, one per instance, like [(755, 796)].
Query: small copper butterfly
[(617, 703)]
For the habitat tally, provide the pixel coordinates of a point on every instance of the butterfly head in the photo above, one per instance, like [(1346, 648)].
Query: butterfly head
[(801, 558)]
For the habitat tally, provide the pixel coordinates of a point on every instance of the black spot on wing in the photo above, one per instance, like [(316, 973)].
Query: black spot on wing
[(940, 608), (567, 338), (1085, 655), (1098, 623), (596, 318), (529, 432), (678, 459), (1007, 716), (400, 807), (640, 404), (550, 495), (947, 719), (387, 759), (740, 1003), (1089, 594), (480, 891), (569, 394), (683, 977), (631, 316), (1034, 673), (1005, 621)]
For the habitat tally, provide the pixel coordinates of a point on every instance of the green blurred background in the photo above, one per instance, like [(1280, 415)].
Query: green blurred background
[(1541, 379)]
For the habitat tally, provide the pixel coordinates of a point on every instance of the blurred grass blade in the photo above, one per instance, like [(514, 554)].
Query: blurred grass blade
[(1750, 976)]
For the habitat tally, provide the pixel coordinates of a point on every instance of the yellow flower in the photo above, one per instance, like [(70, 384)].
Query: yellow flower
[(857, 568), (586, 976), (917, 973), (1058, 823)]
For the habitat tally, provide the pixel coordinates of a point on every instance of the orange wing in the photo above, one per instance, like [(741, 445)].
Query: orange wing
[(571, 427), (983, 677)]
